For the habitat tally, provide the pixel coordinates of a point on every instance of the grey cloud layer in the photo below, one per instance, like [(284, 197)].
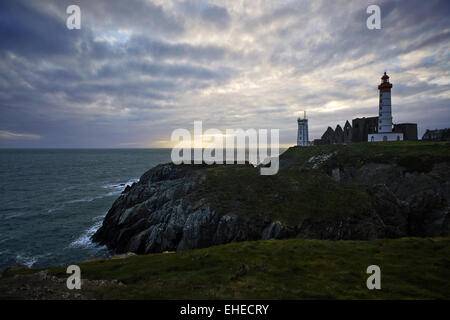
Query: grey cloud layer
[(138, 69)]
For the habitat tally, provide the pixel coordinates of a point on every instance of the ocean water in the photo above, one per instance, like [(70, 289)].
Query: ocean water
[(52, 201)]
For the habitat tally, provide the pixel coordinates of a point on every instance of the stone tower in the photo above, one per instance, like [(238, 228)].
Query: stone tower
[(302, 135)]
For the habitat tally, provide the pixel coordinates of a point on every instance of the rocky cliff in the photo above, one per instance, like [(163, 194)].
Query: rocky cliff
[(163, 212), (326, 192)]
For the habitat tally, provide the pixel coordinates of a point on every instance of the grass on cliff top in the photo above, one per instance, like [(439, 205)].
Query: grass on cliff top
[(357, 153), (411, 268), (289, 196), (299, 191)]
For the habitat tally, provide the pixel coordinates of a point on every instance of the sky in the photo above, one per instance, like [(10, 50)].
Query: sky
[(137, 70)]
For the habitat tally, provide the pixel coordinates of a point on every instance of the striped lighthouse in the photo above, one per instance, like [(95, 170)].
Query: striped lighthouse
[(385, 114), (385, 107)]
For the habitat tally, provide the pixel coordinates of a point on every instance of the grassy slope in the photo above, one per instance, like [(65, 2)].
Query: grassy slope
[(294, 195), (411, 268), (358, 153), (289, 197)]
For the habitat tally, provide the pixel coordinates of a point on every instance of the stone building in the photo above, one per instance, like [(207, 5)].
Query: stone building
[(338, 135), (369, 129), (348, 132), (328, 136), (409, 130), (437, 135), (362, 127)]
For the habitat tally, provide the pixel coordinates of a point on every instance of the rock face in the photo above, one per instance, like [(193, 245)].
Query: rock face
[(411, 203), (159, 213), (163, 211)]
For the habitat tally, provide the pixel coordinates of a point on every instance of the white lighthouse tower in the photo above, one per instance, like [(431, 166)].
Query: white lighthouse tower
[(385, 114), (385, 108), (302, 135)]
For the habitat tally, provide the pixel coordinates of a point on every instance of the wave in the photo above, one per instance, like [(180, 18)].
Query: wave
[(84, 241), (12, 215), (29, 261), (53, 209), (26, 260), (13, 212), (117, 188), (89, 199)]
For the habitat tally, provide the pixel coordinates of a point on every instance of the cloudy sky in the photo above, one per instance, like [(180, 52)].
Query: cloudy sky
[(137, 70)]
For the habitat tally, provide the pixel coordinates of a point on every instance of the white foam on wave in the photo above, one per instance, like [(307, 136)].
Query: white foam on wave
[(117, 188), (12, 215), (84, 241), (90, 199), (26, 260)]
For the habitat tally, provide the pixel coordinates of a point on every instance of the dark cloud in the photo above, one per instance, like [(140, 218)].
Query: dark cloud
[(205, 13), (30, 32), (143, 45), (216, 15), (138, 69), (138, 15)]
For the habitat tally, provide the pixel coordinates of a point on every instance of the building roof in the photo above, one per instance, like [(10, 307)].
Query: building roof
[(347, 125)]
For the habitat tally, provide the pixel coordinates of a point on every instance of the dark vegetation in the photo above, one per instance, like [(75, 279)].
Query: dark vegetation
[(411, 268)]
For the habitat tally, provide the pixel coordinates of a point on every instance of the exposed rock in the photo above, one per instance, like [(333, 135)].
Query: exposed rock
[(410, 203), (429, 215), (392, 212), (157, 214), (336, 174), (163, 212)]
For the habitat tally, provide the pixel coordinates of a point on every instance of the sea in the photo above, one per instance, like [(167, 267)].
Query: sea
[(53, 200)]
